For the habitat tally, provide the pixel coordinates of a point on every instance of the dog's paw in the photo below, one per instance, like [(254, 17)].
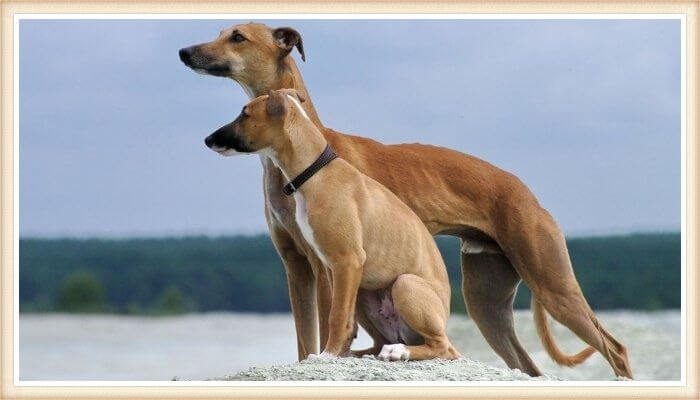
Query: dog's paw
[(323, 356), (393, 352)]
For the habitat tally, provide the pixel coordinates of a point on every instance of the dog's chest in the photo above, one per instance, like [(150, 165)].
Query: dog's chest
[(302, 220), (280, 205), (288, 212)]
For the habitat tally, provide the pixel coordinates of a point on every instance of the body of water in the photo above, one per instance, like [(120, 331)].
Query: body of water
[(209, 345)]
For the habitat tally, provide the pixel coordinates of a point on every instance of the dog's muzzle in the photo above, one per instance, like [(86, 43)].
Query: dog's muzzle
[(193, 58), (225, 142), (209, 141), (186, 55)]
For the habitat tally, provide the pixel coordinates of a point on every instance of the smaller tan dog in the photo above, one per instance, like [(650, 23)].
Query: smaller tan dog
[(384, 267)]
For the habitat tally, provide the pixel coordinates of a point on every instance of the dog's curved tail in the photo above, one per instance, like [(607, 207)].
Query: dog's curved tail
[(540, 316)]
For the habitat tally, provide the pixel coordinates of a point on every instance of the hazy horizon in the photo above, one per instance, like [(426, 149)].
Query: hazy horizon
[(585, 112), (184, 235)]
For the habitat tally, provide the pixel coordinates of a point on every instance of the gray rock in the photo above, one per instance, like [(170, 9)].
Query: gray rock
[(370, 369)]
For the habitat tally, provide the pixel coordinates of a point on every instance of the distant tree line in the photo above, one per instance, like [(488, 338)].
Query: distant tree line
[(244, 273)]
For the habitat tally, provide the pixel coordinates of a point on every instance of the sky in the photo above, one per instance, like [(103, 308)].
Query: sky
[(585, 112)]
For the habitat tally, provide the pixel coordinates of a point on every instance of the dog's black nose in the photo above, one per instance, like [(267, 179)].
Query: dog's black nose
[(186, 55), (209, 141)]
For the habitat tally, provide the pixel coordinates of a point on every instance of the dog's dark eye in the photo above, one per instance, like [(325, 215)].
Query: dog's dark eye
[(237, 38)]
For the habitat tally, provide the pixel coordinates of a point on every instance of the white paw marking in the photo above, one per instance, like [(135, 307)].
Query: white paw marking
[(393, 352), (323, 356)]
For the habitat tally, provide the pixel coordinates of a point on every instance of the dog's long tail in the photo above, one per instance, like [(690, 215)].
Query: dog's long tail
[(545, 334)]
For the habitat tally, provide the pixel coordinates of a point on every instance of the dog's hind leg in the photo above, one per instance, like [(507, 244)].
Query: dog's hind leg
[(539, 254), (572, 310), (422, 309), (489, 285)]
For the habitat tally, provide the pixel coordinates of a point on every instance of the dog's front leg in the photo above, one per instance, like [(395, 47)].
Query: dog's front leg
[(302, 291), (341, 324), (323, 302)]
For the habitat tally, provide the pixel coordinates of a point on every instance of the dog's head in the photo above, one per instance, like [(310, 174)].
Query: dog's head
[(260, 125), (247, 53)]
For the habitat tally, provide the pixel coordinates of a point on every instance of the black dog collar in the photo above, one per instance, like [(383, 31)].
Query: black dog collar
[(327, 156)]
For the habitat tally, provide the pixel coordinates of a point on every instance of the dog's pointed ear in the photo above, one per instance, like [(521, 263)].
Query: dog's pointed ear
[(299, 96), (276, 106), (295, 94), (286, 39)]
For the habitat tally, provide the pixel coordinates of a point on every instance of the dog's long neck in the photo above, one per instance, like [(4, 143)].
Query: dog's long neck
[(287, 76), (303, 143)]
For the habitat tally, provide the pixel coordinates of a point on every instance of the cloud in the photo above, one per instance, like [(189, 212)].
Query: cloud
[(586, 112)]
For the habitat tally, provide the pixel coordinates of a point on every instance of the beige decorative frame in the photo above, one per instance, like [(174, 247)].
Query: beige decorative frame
[(11, 389)]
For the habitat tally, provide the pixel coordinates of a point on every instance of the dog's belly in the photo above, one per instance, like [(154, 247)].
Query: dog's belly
[(378, 307)]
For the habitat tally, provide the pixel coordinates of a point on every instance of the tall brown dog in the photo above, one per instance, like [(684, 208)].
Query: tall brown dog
[(383, 264), (505, 233)]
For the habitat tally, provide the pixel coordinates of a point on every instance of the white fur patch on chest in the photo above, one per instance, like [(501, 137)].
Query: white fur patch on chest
[(302, 218)]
